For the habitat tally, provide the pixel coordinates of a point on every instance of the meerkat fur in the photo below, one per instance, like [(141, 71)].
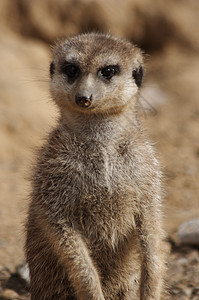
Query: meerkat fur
[(94, 228)]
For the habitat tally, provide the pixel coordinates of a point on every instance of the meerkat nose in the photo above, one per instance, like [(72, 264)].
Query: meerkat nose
[(83, 101)]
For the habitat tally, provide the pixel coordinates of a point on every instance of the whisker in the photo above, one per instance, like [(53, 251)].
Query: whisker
[(151, 107)]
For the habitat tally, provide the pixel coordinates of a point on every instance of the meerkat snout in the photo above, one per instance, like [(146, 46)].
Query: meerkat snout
[(83, 101)]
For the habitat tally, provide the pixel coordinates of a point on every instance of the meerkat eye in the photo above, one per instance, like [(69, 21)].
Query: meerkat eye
[(138, 75), (71, 70), (109, 71), (52, 69)]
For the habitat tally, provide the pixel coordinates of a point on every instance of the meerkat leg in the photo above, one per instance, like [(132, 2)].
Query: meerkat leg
[(150, 238), (74, 256)]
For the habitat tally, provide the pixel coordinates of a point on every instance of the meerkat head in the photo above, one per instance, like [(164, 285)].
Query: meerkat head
[(95, 73)]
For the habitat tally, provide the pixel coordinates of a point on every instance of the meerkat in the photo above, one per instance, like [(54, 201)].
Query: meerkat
[(94, 229)]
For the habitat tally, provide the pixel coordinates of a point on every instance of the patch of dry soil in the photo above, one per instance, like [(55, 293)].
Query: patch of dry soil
[(26, 111)]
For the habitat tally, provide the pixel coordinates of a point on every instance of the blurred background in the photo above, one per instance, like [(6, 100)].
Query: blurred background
[(168, 33)]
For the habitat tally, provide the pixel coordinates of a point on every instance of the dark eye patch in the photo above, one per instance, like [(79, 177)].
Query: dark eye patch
[(109, 71), (52, 69), (138, 75), (71, 70)]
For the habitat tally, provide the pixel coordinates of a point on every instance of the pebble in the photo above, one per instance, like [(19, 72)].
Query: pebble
[(188, 233), (23, 272), (182, 261), (9, 295), (187, 291)]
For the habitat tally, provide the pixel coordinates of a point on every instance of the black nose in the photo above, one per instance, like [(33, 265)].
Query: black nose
[(83, 101)]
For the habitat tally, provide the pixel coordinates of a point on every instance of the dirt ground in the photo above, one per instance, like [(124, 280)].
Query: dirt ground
[(168, 106)]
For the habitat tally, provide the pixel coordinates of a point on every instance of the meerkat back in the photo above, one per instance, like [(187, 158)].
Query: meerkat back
[(94, 228)]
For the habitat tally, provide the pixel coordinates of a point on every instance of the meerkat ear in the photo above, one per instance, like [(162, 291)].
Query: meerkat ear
[(52, 68), (138, 75)]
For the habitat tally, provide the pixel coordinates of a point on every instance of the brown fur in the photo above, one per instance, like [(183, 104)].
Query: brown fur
[(94, 229)]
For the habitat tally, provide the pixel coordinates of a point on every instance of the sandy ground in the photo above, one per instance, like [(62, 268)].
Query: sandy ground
[(171, 114)]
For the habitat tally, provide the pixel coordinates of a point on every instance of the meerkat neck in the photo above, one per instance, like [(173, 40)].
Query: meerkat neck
[(99, 126)]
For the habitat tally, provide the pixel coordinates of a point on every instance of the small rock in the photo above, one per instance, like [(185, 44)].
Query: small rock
[(188, 233), (182, 261), (9, 295), (187, 291), (23, 272), (4, 274)]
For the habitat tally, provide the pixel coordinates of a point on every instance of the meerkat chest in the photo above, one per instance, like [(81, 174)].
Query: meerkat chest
[(102, 171), (106, 202)]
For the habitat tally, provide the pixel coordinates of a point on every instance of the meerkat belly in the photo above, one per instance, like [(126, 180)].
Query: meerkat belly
[(97, 210), (107, 206), (108, 226)]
